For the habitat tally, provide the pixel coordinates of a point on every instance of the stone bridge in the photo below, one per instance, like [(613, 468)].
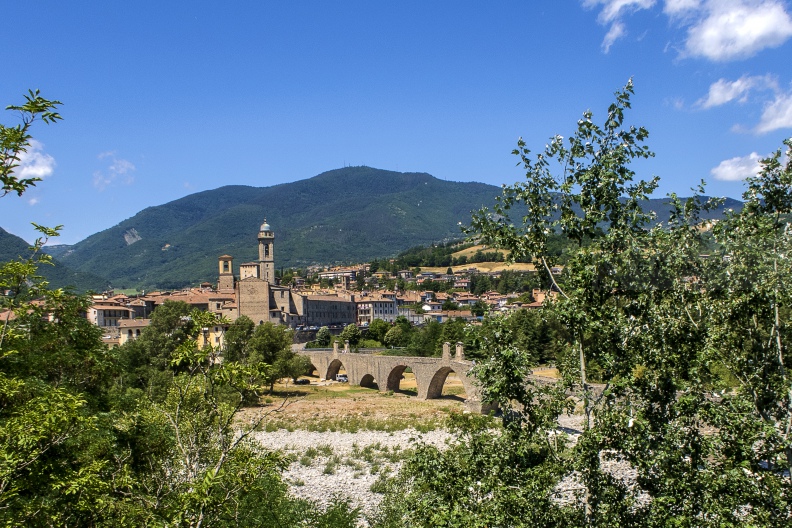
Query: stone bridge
[(385, 372)]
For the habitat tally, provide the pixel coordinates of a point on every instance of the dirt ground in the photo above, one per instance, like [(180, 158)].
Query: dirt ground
[(331, 405)]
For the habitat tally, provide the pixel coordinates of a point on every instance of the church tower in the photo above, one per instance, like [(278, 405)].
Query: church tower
[(225, 265), (266, 239)]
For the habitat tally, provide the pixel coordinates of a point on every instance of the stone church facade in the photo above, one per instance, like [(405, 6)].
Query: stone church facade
[(259, 297)]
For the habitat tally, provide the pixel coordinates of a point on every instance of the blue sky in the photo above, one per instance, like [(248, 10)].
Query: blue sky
[(163, 99)]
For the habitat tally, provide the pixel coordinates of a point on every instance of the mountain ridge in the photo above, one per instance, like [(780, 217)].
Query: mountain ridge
[(342, 215), (58, 275), (350, 214)]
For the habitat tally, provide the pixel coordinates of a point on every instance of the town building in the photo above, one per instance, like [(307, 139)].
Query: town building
[(262, 299)]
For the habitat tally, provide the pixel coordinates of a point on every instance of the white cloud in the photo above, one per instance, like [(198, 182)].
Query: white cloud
[(737, 169), (680, 7), (35, 163), (33, 201), (717, 30), (117, 170), (777, 114), (612, 13), (737, 29), (723, 91), (616, 32), (614, 9)]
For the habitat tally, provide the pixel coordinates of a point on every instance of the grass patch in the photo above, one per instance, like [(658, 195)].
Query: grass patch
[(354, 424)]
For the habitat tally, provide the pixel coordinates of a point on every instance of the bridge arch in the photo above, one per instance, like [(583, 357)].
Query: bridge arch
[(368, 381), (395, 376), (333, 368), (435, 389)]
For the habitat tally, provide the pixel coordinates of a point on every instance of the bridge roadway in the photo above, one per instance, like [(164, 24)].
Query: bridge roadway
[(385, 372)]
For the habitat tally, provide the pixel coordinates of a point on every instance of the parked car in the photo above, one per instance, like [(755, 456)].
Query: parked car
[(342, 378), (302, 381)]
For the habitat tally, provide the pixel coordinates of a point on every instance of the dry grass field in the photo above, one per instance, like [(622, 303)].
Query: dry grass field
[(488, 267), (333, 406)]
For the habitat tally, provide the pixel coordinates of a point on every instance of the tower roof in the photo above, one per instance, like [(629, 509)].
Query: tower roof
[(265, 226)]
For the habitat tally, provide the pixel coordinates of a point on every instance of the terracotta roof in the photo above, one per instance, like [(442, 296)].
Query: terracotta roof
[(325, 298), (133, 323), (113, 307)]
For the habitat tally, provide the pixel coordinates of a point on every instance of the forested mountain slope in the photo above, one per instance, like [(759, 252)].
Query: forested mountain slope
[(351, 214), (59, 276)]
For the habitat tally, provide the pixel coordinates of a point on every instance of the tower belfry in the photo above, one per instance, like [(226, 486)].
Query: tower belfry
[(266, 239)]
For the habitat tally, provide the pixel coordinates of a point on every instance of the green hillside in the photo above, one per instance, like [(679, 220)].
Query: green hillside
[(59, 276), (351, 214)]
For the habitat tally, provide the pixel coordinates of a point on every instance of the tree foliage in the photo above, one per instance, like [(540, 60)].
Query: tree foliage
[(690, 346), (15, 140), (145, 435), (352, 334)]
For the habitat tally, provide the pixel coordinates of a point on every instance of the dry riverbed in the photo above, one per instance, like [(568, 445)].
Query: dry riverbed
[(343, 439)]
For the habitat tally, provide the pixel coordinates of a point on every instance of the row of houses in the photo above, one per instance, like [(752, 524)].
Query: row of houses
[(255, 293), (123, 318)]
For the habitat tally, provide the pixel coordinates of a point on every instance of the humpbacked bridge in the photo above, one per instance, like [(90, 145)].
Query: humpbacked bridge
[(385, 372)]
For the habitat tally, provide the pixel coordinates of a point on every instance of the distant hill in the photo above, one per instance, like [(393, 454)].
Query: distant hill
[(352, 214), (59, 276), (346, 215)]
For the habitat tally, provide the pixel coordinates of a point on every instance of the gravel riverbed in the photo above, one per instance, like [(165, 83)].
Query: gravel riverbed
[(346, 464)]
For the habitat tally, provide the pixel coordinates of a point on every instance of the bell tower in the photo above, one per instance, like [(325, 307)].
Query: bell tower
[(225, 265), (266, 240)]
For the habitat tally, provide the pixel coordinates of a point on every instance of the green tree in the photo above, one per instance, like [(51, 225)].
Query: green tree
[(394, 337), (377, 330), (270, 346), (237, 336), (146, 362), (324, 337), (479, 308), (690, 350), (449, 304), (14, 140), (426, 341), (352, 334)]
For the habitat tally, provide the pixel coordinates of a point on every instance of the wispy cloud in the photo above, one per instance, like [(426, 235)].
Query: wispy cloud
[(724, 91), (35, 163), (615, 32), (737, 169), (612, 14), (677, 8), (118, 170), (777, 114), (33, 201)]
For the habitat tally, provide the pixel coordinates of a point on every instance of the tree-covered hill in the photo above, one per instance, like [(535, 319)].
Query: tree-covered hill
[(59, 276), (344, 215), (352, 214)]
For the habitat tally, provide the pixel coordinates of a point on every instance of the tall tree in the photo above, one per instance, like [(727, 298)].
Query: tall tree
[(689, 347)]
